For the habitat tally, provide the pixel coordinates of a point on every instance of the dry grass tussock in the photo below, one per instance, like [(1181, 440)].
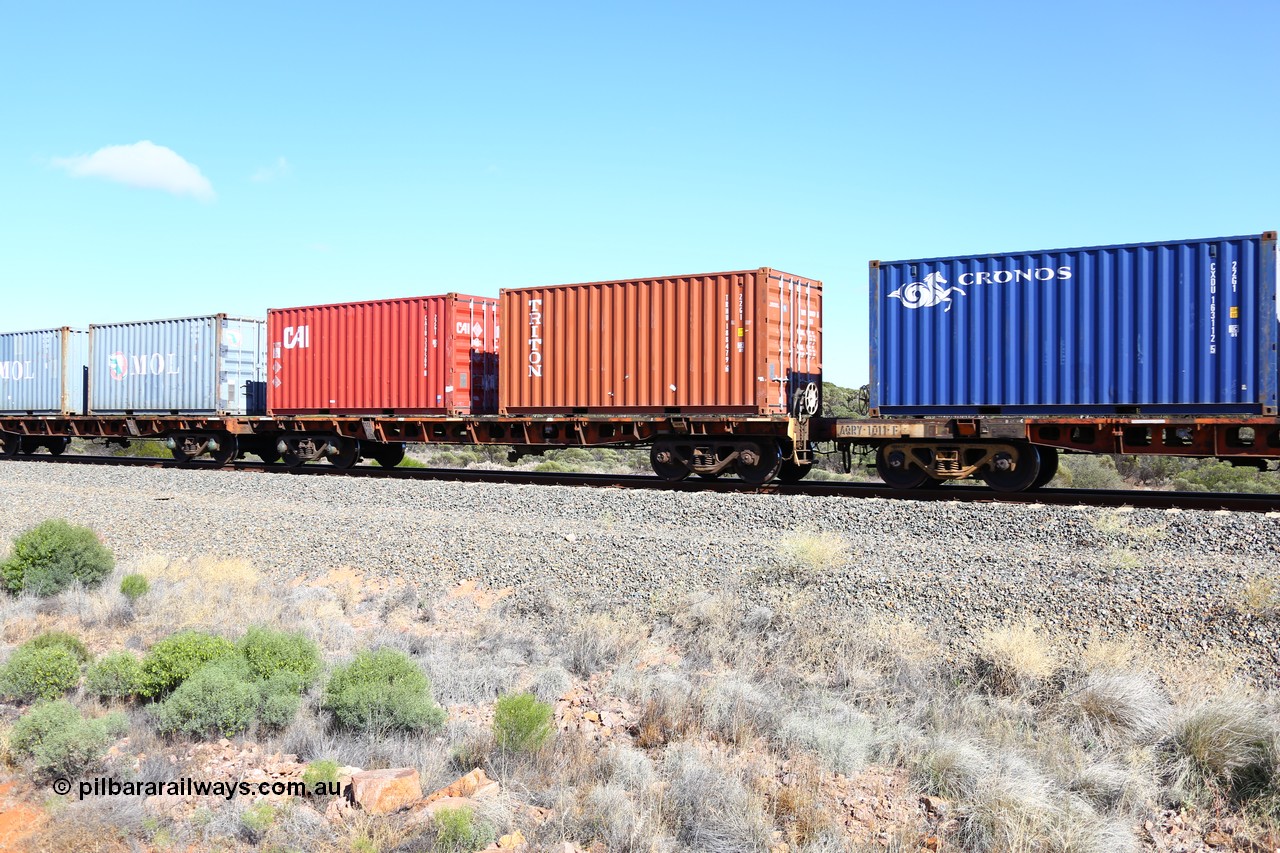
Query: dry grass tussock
[(603, 641), (1221, 750), (1016, 658), (710, 805), (810, 553), (1119, 708), (1184, 679), (205, 593), (1119, 525), (1260, 595), (1115, 654)]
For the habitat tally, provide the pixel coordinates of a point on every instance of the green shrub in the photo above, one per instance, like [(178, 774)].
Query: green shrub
[(40, 672), (457, 830), (219, 698), (61, 741), (49, 557), (279, 699), (134, 587), (60, 639), (521, 723), (257, 819), (1218, 476), (114, 676), (1089, 472), (269, 652), (325, 771), (381, 691), (175, 658)]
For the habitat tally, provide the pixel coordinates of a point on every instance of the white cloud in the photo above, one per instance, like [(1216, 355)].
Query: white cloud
[(142, 164), (279, 169)]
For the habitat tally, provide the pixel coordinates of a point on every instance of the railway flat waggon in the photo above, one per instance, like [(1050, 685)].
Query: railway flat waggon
[(987, 365), (412, 356), (739, 344)]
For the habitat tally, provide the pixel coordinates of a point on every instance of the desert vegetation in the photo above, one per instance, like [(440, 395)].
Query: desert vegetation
[(715, 722)]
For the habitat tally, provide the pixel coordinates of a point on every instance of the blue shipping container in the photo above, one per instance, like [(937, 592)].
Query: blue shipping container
[(1185, 327), (199, 365), (43, 372)]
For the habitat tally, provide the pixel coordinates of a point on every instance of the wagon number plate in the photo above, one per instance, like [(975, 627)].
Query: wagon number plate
[(847, 429)]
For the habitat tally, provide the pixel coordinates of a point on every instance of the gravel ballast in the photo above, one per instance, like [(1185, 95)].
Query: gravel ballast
[(1175, 577)]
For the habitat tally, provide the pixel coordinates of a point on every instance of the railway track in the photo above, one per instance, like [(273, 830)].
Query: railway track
[(1212, 501)]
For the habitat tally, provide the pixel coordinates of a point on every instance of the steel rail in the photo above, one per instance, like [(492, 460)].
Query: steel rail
[(1136, 498)]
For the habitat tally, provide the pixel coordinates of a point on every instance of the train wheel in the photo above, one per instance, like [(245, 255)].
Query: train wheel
[(895, 469), (9, 445), (758, 463), (28, 445), (666, 462), (1048, 466), (228, 449), (790, 472), (1013, 472), (348, 452), (179, 451), (58, 446), (388, 455), (267, 453)]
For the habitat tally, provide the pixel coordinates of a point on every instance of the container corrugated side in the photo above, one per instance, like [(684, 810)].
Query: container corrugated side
[(1175, 327), (199, 365), (42, 372), (426, 355), (733, 342)]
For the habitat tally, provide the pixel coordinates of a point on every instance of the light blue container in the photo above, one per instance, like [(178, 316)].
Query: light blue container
[(1186, 327), (43, 372), (213, 365)]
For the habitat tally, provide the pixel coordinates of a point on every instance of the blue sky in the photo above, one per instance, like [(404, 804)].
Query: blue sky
[(325, 152)]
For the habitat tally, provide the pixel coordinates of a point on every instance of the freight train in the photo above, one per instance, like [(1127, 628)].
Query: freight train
[(982, 366)]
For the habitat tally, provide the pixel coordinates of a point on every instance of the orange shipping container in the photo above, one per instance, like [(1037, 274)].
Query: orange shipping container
[(745, 342)]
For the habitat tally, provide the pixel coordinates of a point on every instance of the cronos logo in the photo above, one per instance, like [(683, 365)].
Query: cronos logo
[(930, 291), (922, 294)]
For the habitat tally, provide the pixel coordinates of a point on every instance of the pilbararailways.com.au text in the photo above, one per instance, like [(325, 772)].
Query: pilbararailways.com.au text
[(188, 787)]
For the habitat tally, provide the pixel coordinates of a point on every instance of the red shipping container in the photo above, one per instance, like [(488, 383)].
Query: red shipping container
[(743, 342), (424, 355)]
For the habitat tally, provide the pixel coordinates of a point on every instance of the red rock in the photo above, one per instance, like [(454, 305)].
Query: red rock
[(338, 810), (473, 784), (386, 791), (1217, 838)]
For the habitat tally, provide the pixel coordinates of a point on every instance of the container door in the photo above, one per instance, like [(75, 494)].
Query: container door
[(793, 352), (242, 366)]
